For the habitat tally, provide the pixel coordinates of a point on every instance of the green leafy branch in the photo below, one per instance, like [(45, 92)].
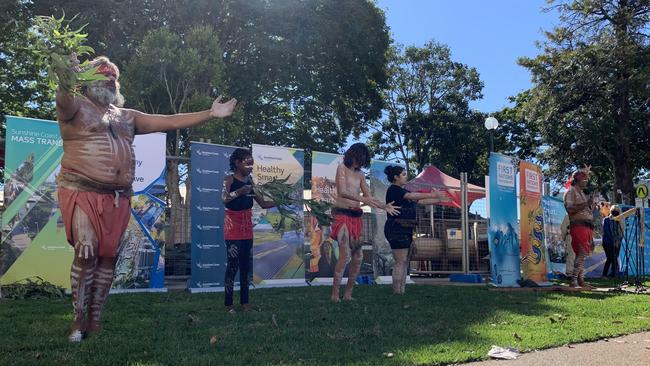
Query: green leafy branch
[(285, 196), (58, 46)]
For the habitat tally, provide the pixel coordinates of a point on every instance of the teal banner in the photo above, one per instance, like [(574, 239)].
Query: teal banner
[(503, 231)]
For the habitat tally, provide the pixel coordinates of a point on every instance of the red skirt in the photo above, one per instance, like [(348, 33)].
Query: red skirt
[(581, 237), (238, 225), (109, 221), (353, 223)]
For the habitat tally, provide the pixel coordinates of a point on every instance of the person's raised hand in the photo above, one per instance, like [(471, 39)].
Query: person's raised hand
[(222, 110)]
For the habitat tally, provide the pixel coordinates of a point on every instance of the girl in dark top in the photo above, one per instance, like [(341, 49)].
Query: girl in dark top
[(398, 229), (238, 195)]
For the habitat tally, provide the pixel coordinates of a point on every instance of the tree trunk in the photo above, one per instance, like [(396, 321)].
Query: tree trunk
[(623, 179), (176, 214), (622, 167)]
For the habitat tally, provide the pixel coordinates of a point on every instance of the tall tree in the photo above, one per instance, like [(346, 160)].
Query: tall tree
[(307, 73), (590, 95), (170, 74), (427, 108)]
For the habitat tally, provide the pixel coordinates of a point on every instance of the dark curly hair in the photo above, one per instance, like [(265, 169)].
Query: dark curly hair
[(392, 171), (240, 154), (358, 153)]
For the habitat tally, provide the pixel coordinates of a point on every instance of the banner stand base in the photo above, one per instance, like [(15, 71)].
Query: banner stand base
[(388, 280), (466, 278), (202, 290), (327, 281), (297, 282), (136, 290)]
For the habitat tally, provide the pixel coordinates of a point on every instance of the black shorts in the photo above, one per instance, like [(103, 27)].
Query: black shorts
[(398, 236)]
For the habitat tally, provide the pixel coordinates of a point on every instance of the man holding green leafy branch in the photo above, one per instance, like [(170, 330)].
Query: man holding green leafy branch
[(97, 172)]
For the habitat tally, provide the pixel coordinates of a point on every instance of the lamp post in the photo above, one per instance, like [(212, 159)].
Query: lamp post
[(491, 124)]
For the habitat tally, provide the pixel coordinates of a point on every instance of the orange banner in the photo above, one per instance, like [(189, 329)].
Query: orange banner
[(534, 256)]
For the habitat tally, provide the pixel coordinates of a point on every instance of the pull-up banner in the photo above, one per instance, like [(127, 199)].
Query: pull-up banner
[(502, 233), (534, 256), (278, 251), (554, 216), (209, 165), (322, 251)]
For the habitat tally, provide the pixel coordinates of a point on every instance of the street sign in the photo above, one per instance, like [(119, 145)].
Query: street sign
[(642, 191)]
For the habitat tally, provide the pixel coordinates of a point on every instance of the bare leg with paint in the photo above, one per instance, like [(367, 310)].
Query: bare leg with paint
[(355, 267), (344, 253), (82, 271), (101, 286)]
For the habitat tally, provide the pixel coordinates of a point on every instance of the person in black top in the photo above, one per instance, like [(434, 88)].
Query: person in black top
[(238, 195), (398, 229), (612, 236)]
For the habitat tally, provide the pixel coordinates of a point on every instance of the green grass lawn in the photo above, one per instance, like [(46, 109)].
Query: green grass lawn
[(294, 326)]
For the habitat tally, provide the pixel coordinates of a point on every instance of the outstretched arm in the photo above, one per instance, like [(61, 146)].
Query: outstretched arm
[(427, 198), (148, 123), (372, 201)]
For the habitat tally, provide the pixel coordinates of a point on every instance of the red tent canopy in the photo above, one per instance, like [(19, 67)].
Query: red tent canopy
[(432, 178)]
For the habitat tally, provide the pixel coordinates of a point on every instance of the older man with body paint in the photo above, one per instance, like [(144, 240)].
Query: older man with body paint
[(95, 182)]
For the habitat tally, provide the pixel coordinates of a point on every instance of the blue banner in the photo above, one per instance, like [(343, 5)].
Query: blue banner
[(503, 232), (631, 241), (210, 164), (554, 214)]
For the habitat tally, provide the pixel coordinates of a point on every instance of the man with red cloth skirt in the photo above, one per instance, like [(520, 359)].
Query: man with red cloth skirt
[(95, 182), (580, 207)]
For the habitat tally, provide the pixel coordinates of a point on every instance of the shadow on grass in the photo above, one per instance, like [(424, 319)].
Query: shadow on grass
[(292, 326)]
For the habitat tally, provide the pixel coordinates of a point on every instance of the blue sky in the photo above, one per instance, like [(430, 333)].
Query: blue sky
[(486, 34)]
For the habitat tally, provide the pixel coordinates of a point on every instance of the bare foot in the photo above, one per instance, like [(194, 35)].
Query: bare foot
[(586, 286), (76, 336), (76, 332), (349, 298), (335, 299)]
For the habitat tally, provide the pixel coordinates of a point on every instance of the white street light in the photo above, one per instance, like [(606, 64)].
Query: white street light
[(491, 124)]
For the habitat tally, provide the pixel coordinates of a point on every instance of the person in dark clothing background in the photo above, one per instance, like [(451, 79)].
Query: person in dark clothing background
[(612, 234)]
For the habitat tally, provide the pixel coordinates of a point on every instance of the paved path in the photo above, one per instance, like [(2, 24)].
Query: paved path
[(630, 350)]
